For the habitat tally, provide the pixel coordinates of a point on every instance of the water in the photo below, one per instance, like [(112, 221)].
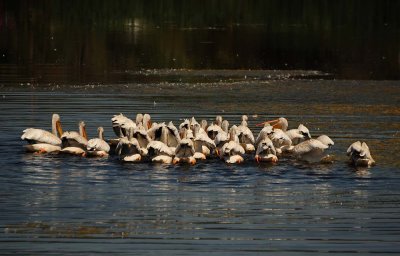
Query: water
[(52, 204)]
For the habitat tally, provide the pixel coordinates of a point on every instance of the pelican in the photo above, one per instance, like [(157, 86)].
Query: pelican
[(246, 137), (298, 135), (214, 128), (266, 151), (121, 125), (97, 146), (146, 121), (185, 150), (140, 133), (159, 152), (281, 141), (128, 148), (222, 137), (232, 151), (203, 124), (42, 141), (360, 155), (202, 143), (264, 133), (312, 150), (75, 143), (280, 123)]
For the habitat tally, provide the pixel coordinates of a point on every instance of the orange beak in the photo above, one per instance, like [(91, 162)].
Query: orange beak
[(217, 152), (59, 129), (84, 133), (269, 122), (257, 159), (149, 124)]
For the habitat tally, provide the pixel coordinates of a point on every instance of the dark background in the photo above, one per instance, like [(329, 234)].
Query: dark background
[(92, 41)]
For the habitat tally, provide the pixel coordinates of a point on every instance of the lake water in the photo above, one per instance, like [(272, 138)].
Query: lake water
[(52, 204)]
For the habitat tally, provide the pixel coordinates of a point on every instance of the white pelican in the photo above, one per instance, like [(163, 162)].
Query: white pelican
[(280, 123), (146, 121), (202, 143), (121, 125), (214, 128), (185, 150), (42, 141), (75, 143), (312, 150), (232, 151), (360, 155), (298, 135), (281, 141), (97, 146), (159, 152), (204, 124), (266, 151), (128, 148), (140, 133), (246, 137), (139, 119), (264, 133), (222, 137)]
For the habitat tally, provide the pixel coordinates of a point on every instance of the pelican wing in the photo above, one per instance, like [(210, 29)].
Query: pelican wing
[(127, 147), (326, 140), (73, 139), (185, 148), (221, 138), (266, 147), (121, 125), (355, 147), (160, 148), (97, 144), (205, 140), (35, 136), (245, 135), (309, 146)]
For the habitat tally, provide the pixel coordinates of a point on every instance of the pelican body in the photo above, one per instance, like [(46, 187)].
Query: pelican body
[(41, 141)]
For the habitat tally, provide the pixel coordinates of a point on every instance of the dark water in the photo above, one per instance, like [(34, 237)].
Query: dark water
[(93, 41), (54, 204)]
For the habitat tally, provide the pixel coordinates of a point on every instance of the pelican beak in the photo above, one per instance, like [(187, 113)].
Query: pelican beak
[(59, 129), (277, 126), (257, 157), (268, 122), (192, 161), (217, 152), (149, 124), (84, 133)]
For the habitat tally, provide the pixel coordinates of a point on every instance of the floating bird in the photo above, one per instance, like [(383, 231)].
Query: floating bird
[(97, 146), (298, 135), (185, 150), (203, 145), (312, 150), (266, 151), (360, 155), (222, 137), (42, 141), (75, 143), (159, 152), (232, 151), (128, 148), (246, 137)]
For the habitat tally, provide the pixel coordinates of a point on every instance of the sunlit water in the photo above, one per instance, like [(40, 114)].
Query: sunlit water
[(72, 205)]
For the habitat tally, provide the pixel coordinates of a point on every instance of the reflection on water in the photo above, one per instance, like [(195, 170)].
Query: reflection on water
[(73, 205), (97, 41)]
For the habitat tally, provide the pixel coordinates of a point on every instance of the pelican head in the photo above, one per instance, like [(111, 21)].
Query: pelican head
[(244, 118), (326, 140), (203, 124), (280, 123), (56, 125), (147, 121), (82, 129), (218, 120), (100, 131), (139, 118), (304, 131), (225, 126)]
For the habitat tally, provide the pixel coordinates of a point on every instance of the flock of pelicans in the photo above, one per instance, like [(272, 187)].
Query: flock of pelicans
[(142, 140)]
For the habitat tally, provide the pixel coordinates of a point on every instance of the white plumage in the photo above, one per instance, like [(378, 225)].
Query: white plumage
[(360, 154), (97, 146), (43, 141), (312, 150)]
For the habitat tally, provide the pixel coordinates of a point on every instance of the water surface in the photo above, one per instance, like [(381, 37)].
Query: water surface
[(52, 204)]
